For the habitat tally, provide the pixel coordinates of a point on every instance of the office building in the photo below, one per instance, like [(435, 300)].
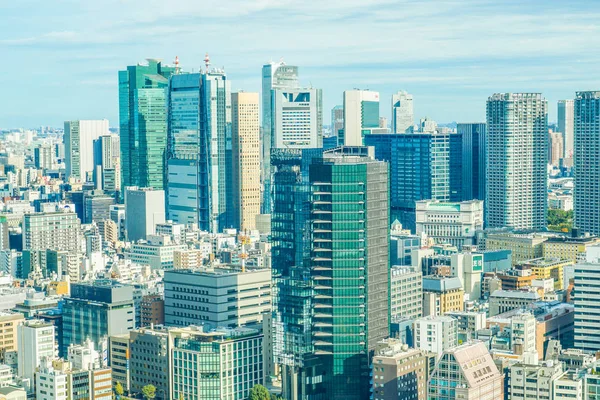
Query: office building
[(275, 75), (245, 144), (442, 294), (361, 116), (119, 355), (152, 310), (473, 165), (35, 342), (107, 163), (423, 166), (149, 360), (504, 300), (452, 223), (111, 305), (53, 231), (96, 206), (9, 322), (297, 118), (586, 196), (157, 252), (403, 117), (468, 267), (466, 372), (555, 148), (43, 157), (573, 249), (517, 145), (523, 338), (435, 334), (467, 323), (218, 297), (545, 268), (79, 147), (587, 303), (214, 365), (523, 246), (143, 123), (144, 209), (402, 246), (51, 384), (399, 372), (337, 122), (199, 149), (406, 292), (566, 120), (533, 381)]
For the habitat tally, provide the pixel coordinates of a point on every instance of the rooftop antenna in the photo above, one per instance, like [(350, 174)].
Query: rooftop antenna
[(176, 65), (206, 61)]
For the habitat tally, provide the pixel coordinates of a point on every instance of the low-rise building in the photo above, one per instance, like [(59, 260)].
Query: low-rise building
[(406, 292), (502, 300), (533, 381), (544, 268), (442, 294), (523, 246), (435, 334)]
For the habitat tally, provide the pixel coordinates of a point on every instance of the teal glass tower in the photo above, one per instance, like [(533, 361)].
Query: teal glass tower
[(143, 123), (333, 303)]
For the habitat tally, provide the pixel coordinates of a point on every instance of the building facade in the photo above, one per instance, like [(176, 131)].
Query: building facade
[(566, 121), (361, 116), (473, 164), (403, 117), (79, 147), (406, 292), (297, 118), (54, 231), (144, 209)]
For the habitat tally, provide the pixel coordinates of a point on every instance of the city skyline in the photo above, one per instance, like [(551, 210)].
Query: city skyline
[(449, 69)]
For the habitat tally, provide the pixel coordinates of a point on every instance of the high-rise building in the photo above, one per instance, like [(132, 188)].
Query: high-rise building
[(96, 206), (43, 157), (517, 148), (245, 169), (337, 121), (110, 304), (199, 149), (403, 117), (79, 146), (275, 75), (143, 123), (422, 167), (555, 148), (466, 372), (587, 301), (586, 196), (149, 360), (297, 119), (35, 342), (473, 165), (53, 231), (406, 292), (144, 209), (361, 116), (107, 163), (566, 120), (348, 193)]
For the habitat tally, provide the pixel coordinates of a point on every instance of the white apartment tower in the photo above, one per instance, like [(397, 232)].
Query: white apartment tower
[(517, 148), (403, 117), (35, 342), (565, 125)]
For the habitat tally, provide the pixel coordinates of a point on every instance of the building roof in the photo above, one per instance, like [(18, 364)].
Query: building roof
[(478, 372), (515, 294), (440, 284)]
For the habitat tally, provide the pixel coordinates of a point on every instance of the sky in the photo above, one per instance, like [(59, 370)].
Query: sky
[(61, 57)]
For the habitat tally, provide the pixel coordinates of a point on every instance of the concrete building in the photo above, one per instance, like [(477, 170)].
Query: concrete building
[(566, 120), (35, 342), (523, 334), (149, 361), (119, 355), (51, 384), (297, 118), (337, 122), (555, 148), (245, 139), (435, 334), (42, 157), (107, 163), (466, 372), (158, 252), (517, 143), (468, 267), (442, 294), (9, 338), (110, 304), (403, 116), (467, 323), (406, 297), (569, 385), (533, 381), (587, 301), (502, 301), (152, 310), (218, 297), (572, 249), (53, 231), (144, 209), (187, 259), (361, 116), (402, 246), (399, 372), (544, 268), (523, 247), (79, 147), (453, 223), (208, 365)]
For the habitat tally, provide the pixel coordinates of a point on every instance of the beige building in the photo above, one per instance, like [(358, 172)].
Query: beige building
[(442, 294), (187, 259), (533, 381), (523, 247), (245, 140), (399, 372), (568, 248), (544, 268), (555, 147), (8, 332)]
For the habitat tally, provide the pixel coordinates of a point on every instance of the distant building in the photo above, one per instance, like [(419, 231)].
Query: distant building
[(54, 231), (152, 310), (555, 148), (43, 158), (144, 209), (587, 301), (566, 119), (297, 118), (535, 381), (107, 163), (158, 252), (502, 301), (473, 165), (9, 322), (523, 247), (403, 117), (361, 116), (79, 147), (337, 122)]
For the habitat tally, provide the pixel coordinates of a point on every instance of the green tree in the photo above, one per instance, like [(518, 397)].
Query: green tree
[(259, 392), (149, 392), (119, 389)]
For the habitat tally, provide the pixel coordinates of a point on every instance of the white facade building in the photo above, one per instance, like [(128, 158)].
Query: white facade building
[(35, 341), (79, 146), (403, 117), (144, 209), (406, 292), (565, 125), (435, 334), (297, 118), (361, 115)]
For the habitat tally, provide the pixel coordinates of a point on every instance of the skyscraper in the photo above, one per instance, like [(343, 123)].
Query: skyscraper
[(275, 75), (245, 143), (79, 146), (403, 117), (337, 120), (199, 149), (587, 301), (107, 164), (565, 125), (586, 196), (555, 148), (361, 116), (43, 157), (473, 160), (144, 208), (143, 123), (517, 148), (342, 275), (297, 119)]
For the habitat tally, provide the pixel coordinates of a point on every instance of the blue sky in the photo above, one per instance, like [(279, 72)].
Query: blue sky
[(61, 57)]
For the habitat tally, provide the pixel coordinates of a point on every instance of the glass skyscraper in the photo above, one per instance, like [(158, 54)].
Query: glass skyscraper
[(143, 123), (199, 150), (473, 160)]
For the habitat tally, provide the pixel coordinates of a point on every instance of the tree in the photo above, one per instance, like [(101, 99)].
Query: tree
[(259, 392), (149, 392), (119, 389)]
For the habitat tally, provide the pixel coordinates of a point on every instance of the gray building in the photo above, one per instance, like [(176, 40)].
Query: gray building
[(149, 360), (586, 196), (43, 156), (217, 297), (566, 122), (406, 297), (96, 310), (96, 206), (587, 301), (107, 163), (517, 148), (297, 118), (502, 301), (54, 231), (144, 208)]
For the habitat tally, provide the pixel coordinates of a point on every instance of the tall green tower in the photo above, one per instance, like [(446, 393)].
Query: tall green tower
[(143, 123)]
